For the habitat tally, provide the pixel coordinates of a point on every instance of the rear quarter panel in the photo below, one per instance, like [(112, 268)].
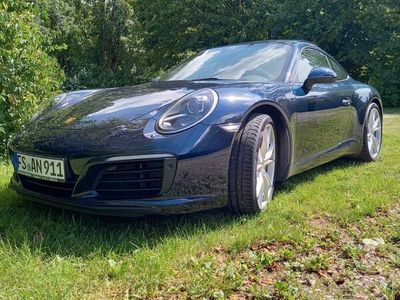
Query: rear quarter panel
[(363, 95)]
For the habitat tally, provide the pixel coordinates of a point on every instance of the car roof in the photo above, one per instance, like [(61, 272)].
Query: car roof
[(299, 43)]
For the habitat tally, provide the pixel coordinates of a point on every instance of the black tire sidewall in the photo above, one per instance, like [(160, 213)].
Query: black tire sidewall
[(243, 192)]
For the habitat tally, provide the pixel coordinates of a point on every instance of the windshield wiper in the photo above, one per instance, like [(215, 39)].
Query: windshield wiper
[(206, 79), (196, 79)]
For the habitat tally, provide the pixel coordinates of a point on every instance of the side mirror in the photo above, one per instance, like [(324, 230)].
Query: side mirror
[(319, 75)]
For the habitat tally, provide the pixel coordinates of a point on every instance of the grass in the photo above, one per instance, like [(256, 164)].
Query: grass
[(51, 253)]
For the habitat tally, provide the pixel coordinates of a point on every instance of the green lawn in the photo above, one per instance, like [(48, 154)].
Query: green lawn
[(308, 243)]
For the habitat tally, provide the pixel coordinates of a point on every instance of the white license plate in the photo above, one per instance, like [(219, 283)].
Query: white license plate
[(40, 167)]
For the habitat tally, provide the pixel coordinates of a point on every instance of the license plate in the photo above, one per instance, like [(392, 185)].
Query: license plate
[(40, 167)]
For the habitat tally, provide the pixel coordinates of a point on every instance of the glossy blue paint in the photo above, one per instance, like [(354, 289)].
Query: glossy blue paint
[(319, 75), (319, 124)]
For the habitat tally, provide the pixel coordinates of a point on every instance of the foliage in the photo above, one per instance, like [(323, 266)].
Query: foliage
[(28, 75), (98, 41), (106, 43), (183, 27), (363, 35), (384, 66), (298, 248)]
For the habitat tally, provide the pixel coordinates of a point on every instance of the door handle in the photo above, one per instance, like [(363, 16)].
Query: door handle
[(346, 102)]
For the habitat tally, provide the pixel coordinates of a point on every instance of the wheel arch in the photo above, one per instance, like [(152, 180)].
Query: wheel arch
[(378, 102), (283, 133), (364, 152)]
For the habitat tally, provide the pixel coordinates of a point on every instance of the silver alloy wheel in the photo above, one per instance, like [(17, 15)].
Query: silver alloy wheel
[(266, 167), (374, 134)]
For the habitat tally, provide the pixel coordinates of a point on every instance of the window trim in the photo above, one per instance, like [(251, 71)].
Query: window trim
[(297, 58), (335, 61)]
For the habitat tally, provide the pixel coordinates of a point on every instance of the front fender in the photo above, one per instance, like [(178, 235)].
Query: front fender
[(237, 102)]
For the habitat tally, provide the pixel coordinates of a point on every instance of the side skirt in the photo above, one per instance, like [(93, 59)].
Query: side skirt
[(348, 148)]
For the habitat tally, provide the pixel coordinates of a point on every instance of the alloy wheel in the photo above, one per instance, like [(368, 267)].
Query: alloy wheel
[(266, 167), (374, 133)]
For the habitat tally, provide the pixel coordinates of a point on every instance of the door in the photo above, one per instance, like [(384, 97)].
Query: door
[(322, 114)]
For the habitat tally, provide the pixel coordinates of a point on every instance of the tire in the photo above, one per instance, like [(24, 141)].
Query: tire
[(255, 150), (372, 135)]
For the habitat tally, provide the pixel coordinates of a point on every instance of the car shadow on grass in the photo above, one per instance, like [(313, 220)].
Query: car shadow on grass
[(53, 231)]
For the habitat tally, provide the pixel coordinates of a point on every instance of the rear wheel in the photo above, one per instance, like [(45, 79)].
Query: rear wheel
[(372, 141), (253, 166)]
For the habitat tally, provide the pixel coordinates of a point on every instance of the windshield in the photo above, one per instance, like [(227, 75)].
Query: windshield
[(262, 62)]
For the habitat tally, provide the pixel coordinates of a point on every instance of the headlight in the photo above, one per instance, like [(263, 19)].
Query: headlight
[(188, 111)]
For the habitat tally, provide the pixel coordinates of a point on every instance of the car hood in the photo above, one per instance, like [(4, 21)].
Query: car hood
[(107, 120), (114, 107)]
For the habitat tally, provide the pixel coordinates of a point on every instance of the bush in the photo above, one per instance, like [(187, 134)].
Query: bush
[(28, 76), (363, 35)]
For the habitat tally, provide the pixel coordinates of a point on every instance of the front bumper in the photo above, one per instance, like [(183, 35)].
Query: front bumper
[(128, 208), (197, 178)]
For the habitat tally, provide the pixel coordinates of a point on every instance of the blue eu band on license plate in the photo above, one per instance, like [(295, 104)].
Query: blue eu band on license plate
[(14, 160)]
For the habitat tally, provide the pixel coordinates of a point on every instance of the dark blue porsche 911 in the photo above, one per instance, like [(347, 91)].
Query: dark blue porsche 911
[(219, 130)]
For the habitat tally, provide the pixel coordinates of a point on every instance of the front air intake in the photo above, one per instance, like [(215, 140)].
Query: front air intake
[(45, 187), (132, 180)]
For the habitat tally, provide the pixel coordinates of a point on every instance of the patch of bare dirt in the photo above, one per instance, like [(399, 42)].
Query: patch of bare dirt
[(358, 261)]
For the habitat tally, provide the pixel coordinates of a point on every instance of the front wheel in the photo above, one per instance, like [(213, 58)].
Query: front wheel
[(253, 166), (372, 141)]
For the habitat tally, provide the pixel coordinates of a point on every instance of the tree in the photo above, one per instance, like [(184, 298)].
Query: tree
[(363, 35), (175, 29), (28, 75), (96, 41)]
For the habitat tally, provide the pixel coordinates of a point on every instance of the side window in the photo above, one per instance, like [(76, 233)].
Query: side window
[(309, 60), (340, 72)]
